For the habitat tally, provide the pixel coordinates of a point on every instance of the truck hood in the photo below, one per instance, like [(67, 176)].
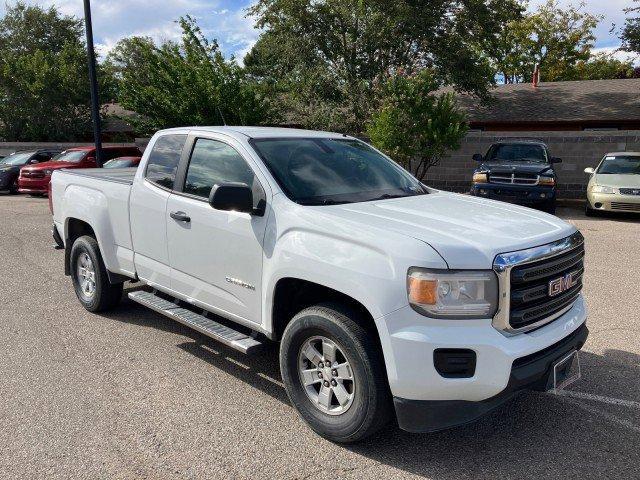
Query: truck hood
[(624, 181), (468, 232), (510, 167)]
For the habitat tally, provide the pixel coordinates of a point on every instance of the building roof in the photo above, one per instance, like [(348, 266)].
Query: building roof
[(588, 101)]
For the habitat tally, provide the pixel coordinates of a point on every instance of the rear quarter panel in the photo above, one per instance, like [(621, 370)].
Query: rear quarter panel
[(104, 206)]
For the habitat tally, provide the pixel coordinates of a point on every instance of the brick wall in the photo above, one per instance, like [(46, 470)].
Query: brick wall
[(577, 150)]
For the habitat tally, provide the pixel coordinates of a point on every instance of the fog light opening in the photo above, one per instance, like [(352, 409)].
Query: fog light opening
[(598, 205)]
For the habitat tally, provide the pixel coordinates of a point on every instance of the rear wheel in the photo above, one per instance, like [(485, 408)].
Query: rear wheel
[(13, 189), (90, 279), (334, 373)]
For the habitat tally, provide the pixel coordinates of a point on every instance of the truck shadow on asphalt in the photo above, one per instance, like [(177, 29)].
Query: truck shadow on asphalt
[(535, 435)]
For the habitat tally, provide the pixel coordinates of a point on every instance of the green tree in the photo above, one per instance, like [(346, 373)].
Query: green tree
[(44, 86), (184, 83), (631, 30), (325, 60), (415, 125), (600, 67), (556, 38)]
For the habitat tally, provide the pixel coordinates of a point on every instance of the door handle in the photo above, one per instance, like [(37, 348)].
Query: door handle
[(180, 217)]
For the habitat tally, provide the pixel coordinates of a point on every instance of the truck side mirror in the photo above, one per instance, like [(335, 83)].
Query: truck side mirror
[(556, 160), (589, 170), (232, 197), (477, 157)]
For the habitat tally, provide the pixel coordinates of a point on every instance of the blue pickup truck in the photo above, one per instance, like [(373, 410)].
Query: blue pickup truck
[(517, 171)]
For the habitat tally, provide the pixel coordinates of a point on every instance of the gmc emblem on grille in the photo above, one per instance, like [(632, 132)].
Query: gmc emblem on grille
[(562, 284)]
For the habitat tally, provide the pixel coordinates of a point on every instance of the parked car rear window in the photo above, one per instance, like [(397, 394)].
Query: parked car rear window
[(164, 159), (620, 165), (212, 163), (518, 152)]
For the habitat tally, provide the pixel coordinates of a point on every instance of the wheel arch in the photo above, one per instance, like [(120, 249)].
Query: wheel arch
[(291, 295)]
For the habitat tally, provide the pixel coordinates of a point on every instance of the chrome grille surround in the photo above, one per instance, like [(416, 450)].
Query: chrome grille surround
[(505, 262), (513, 179)]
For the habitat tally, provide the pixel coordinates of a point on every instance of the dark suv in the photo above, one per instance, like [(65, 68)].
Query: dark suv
[(10, 166), (517, 171)]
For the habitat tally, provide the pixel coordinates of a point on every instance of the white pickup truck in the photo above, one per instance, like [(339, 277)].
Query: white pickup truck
[(389, 299)]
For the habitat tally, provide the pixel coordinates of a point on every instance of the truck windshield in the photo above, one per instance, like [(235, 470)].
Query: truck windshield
[(620, 166), (518, 153), (16, 159), (73, 156), (327, 171)]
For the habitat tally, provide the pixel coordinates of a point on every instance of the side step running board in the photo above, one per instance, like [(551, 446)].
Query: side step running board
[(231, 338)]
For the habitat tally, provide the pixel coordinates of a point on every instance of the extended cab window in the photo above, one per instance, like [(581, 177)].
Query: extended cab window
[(212, 163), (164, 158)]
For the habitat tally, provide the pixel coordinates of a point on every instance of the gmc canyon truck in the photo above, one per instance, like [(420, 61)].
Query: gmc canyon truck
[(389, 299)]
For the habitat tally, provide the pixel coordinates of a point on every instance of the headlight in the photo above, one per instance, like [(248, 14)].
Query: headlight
[(548, 181), (602, 189), (453, 294), (48, 172), (480, 177)]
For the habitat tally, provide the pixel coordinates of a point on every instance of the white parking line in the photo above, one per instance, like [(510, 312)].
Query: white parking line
[(612, 418), (599, 398)]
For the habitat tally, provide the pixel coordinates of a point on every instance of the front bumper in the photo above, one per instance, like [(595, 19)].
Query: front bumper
[(409, 341), (609, 202), (522, 194), (529, 373), (33, 185)]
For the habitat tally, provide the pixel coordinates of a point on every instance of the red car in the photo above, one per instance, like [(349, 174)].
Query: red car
[(35, 179)]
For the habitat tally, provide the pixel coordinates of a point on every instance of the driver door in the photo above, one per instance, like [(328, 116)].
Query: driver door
[(216, 256)]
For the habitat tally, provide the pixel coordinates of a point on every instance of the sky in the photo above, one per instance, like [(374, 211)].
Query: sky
[(226, 20)]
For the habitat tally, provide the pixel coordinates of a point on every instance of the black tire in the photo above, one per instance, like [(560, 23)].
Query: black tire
[(589, 212), (105, 295), (13, 189), (371, 406), (549, 207)]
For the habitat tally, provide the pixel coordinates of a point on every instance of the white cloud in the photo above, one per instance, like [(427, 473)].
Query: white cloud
[(612, 10), (615, 52), (116, 19)]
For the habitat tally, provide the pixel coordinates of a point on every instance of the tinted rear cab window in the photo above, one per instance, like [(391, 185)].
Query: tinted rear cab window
[(164, 159)]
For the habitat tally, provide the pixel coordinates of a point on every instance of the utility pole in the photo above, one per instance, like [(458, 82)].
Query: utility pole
[(95, 99)]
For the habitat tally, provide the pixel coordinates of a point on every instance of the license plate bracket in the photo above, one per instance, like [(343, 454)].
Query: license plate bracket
[(565, 371)]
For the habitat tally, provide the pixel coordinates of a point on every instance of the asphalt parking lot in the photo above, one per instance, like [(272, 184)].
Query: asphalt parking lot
[(132, 394)]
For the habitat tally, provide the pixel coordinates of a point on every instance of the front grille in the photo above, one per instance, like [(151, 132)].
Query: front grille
[(630, 191), (530, 298), (28, 174), (514, 178), (634, 207)]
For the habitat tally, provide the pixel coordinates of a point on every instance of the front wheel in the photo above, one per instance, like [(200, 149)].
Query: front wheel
[(334, 373), (549, 207), (90, 279)]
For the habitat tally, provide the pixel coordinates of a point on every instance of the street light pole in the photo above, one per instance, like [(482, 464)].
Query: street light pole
[(93, 79)]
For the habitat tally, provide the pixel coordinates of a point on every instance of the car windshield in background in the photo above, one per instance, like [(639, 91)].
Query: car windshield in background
[(325, 171), (74, 156), (517, 153), (118, 163), (16, 159), (620, 166)]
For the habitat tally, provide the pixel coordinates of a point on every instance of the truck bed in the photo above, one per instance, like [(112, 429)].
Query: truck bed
[(118, 175), (100, 198)]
